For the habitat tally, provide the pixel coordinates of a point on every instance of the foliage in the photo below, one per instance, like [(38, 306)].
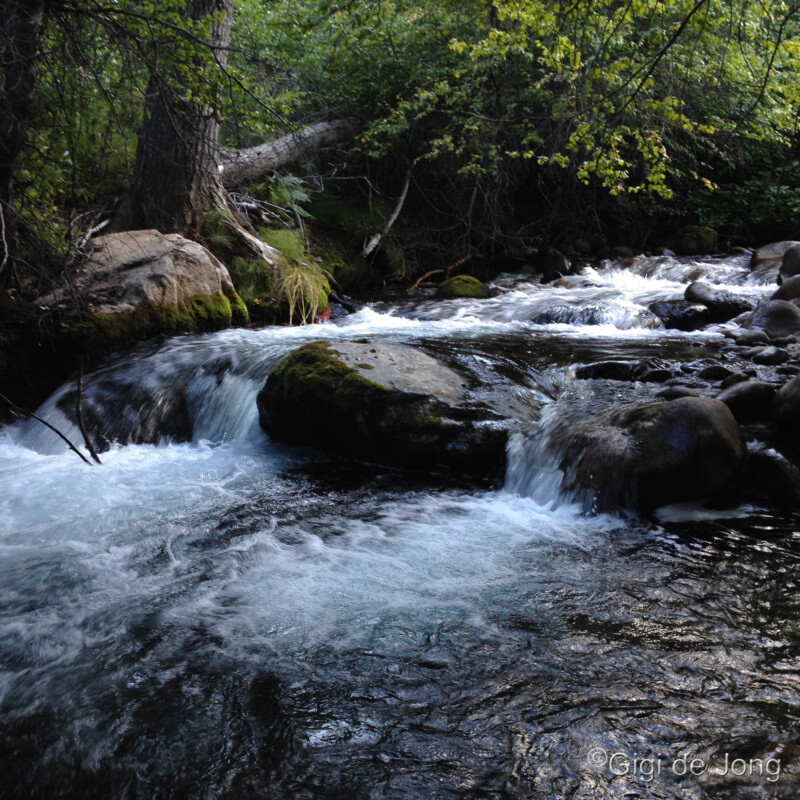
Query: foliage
[(644, 99)]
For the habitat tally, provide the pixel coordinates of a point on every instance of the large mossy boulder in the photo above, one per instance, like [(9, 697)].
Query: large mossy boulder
[(681, 450), (381, 402), (462, 286), (143, 283), (694, 240)]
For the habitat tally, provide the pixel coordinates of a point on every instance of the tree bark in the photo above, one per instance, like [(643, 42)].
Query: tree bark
[(176, 179), (253, 162)]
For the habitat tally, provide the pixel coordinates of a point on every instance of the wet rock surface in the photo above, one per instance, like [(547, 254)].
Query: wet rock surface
[(382, 402)]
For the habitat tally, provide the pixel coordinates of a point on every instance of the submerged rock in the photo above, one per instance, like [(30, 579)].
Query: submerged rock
[(462, 286), (382, 402), (685, 449)]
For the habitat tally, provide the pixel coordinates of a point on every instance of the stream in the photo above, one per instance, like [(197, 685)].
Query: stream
[(234, 618)]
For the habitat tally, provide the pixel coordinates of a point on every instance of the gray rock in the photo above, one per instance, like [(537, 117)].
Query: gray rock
[(128, 269), (722, 305), (776, 318), (790, 262), (770, 255), (716, 372), (382, 402), (749, 401), (788, 290), (771, 356), (680, 314), (663, 453), (675, 392), (771, 475), (751, 337)]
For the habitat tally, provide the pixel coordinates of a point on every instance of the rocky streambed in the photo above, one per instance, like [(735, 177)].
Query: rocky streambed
[(394, 556)]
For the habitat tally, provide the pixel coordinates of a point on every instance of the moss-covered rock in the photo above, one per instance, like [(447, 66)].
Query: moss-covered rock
[(694, 240), (462, 286), (382, 402)]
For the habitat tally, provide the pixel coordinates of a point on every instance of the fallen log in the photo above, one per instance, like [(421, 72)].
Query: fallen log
[(253, 162)]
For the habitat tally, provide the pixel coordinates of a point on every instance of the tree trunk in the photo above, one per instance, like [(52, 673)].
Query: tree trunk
[(253, 162), (176, 178), (21, 22)]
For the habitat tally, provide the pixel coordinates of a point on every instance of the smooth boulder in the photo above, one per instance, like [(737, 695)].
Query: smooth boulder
[(788, 290), (382, 402), (748, 400), (770, 255), (684, 449), (681, 315), (777, 318), (790, 262), (721, 305)]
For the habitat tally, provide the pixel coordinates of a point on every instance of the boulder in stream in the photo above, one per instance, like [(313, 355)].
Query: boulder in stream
[(721, 305), (382, 402), (680, 314), (770, 255), (676, 451), (777, 318), (462, 286)]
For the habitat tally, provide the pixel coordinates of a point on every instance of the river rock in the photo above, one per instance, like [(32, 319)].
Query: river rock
[(680, 314), (771, 475), (693, 240), (550, 260), (382, 402), (788, 290), (721, 305), (749, 338), (776, 318), (786, 409), (670, 452), (146, 282), (748, 401), (462, 286), (790, 262), (771, 356), (651, 370), (770, 255)]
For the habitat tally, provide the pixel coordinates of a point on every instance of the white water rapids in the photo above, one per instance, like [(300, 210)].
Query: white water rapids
[(230, 617)]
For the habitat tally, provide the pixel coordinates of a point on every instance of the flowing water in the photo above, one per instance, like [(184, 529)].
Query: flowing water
[(233, 618)]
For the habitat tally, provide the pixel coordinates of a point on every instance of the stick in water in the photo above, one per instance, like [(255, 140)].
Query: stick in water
[(21, 412)]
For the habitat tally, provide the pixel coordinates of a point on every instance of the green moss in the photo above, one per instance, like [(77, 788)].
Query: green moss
[(313, 382), (366, 366), (289, 242), (103, 331), (462, 286), (694, 240)]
